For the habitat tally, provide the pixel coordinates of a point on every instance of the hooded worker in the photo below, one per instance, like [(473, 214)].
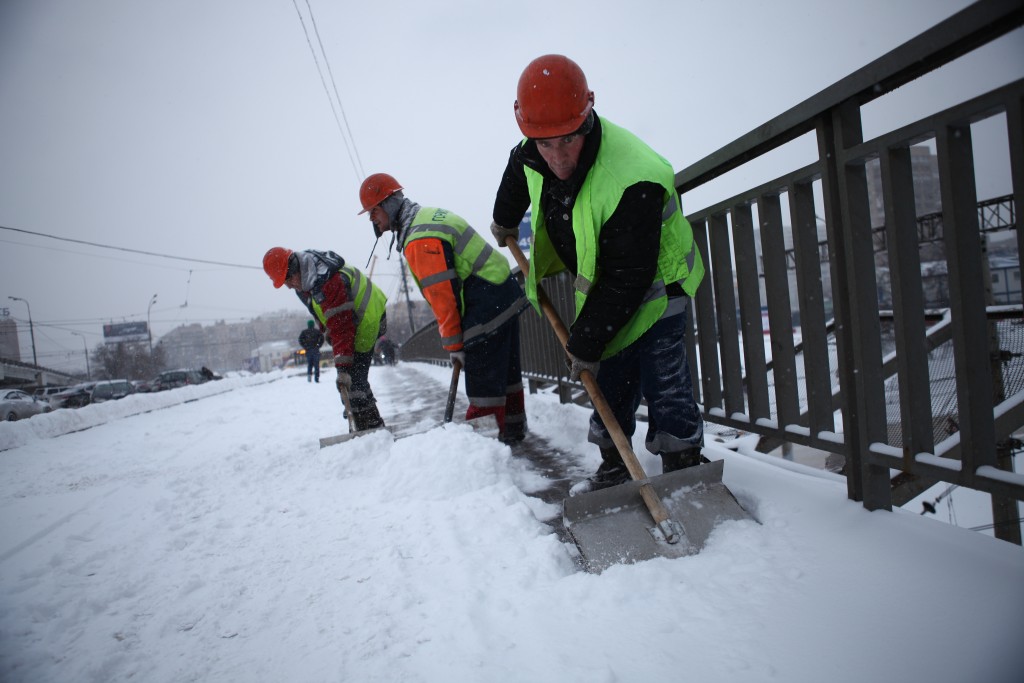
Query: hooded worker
[(349, 307), (471, 291)]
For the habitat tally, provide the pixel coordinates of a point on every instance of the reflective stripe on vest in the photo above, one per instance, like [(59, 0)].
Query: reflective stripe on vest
[(487, 264), (367, 303), (460, 241)]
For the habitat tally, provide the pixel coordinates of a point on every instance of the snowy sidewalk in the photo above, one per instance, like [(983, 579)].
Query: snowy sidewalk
[(214, 541)]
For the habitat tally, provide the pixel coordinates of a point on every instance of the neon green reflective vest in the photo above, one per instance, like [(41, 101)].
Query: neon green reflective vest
[(367, 303), (473, 254), (622, 161)]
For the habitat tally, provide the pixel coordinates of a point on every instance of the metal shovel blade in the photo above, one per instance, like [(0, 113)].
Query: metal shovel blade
[(342, 438), (485, 426), (613, 525)]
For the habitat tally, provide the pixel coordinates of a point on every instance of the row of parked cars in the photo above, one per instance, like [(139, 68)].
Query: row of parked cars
[(16, 404)]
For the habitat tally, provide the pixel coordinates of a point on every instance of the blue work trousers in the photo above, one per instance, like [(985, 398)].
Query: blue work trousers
[(653, 368), (493, 367), (313, 363)]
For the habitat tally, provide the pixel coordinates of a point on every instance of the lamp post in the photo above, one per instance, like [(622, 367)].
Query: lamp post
[(148, 328), (31, 330), (88, 372)]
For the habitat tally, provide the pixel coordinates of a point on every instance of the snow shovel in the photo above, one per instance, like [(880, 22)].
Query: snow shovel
[(486, 425), (352, 432), (614, 525), (449, 408)]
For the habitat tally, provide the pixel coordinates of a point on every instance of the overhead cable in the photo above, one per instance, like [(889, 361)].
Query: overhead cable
[(350, 148), (133, 251), (337, 95)]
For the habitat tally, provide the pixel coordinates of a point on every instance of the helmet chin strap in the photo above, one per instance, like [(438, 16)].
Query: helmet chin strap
[(394, 236), (370, 257)]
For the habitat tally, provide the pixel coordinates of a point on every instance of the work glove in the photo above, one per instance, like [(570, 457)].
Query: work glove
[(578, 365), (501, 233), (458, 356), (344, 380)]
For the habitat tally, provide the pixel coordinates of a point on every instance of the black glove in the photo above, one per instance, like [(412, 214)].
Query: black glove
[(578, 365), (500, 233)]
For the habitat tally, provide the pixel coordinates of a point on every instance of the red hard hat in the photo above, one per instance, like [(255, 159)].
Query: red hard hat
[(375, 189), (552, 98), (275, 263)]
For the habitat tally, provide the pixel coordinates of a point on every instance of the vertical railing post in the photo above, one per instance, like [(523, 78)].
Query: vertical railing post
[(832, 133), (780, 312), (967, 286), (707, 330), (725, 308), (908, 304), (749, 289), (861, 305)]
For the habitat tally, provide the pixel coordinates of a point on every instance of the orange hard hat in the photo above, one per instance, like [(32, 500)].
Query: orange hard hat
[(552, 98), (275, 263), (375, 189)]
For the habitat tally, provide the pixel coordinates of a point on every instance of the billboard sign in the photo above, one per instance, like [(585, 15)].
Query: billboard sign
[(115, 333)]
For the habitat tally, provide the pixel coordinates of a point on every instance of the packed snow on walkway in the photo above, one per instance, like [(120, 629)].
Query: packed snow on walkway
[(201, 534)]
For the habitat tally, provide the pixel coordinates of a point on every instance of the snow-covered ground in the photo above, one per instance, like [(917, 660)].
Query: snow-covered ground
[(212, 540)]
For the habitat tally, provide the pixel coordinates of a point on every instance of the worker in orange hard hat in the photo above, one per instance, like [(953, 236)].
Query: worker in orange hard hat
[(470, 289), (625, 240), (349, 307)]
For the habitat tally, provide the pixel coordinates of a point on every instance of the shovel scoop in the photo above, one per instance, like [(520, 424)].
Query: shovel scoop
[(614, 525)]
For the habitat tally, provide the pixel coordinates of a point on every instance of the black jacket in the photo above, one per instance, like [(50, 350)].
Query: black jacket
[(627, 259), (311, 339)]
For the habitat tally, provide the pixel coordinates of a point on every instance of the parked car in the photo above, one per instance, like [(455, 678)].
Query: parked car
[(44, 393), (15, 404), (86, 393), (173, 379), (110, 390), (75, 396), (144, 386)]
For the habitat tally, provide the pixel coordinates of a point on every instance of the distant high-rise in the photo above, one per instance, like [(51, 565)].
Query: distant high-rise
[(927, 200), (9, 346)]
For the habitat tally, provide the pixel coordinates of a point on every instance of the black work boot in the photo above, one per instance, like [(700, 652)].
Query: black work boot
[(514, 433), (678, 460), (611, 472), (368, 418)]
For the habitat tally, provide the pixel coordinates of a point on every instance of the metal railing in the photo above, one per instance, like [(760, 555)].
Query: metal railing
[(829, 391), (841, 405)]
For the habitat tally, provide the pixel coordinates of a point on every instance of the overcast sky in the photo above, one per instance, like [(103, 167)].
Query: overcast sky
[(201, 129)]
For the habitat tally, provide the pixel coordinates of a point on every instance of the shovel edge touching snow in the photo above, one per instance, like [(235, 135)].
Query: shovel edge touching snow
[(485, 426), (613, 526)]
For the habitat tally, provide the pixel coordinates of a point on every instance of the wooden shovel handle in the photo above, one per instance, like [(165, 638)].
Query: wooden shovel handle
[(636, 470), (348, 408), (449, 408)]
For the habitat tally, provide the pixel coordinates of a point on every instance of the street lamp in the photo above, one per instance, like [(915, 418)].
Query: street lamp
[(88, 372), (31, 330), (149, 329)]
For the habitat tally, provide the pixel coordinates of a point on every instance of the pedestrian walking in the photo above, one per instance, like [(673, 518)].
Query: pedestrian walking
[(311, 339)]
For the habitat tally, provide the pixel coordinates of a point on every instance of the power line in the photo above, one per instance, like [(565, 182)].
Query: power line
[(316, 30), (126, 249), (118, 259), (356, 165)]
